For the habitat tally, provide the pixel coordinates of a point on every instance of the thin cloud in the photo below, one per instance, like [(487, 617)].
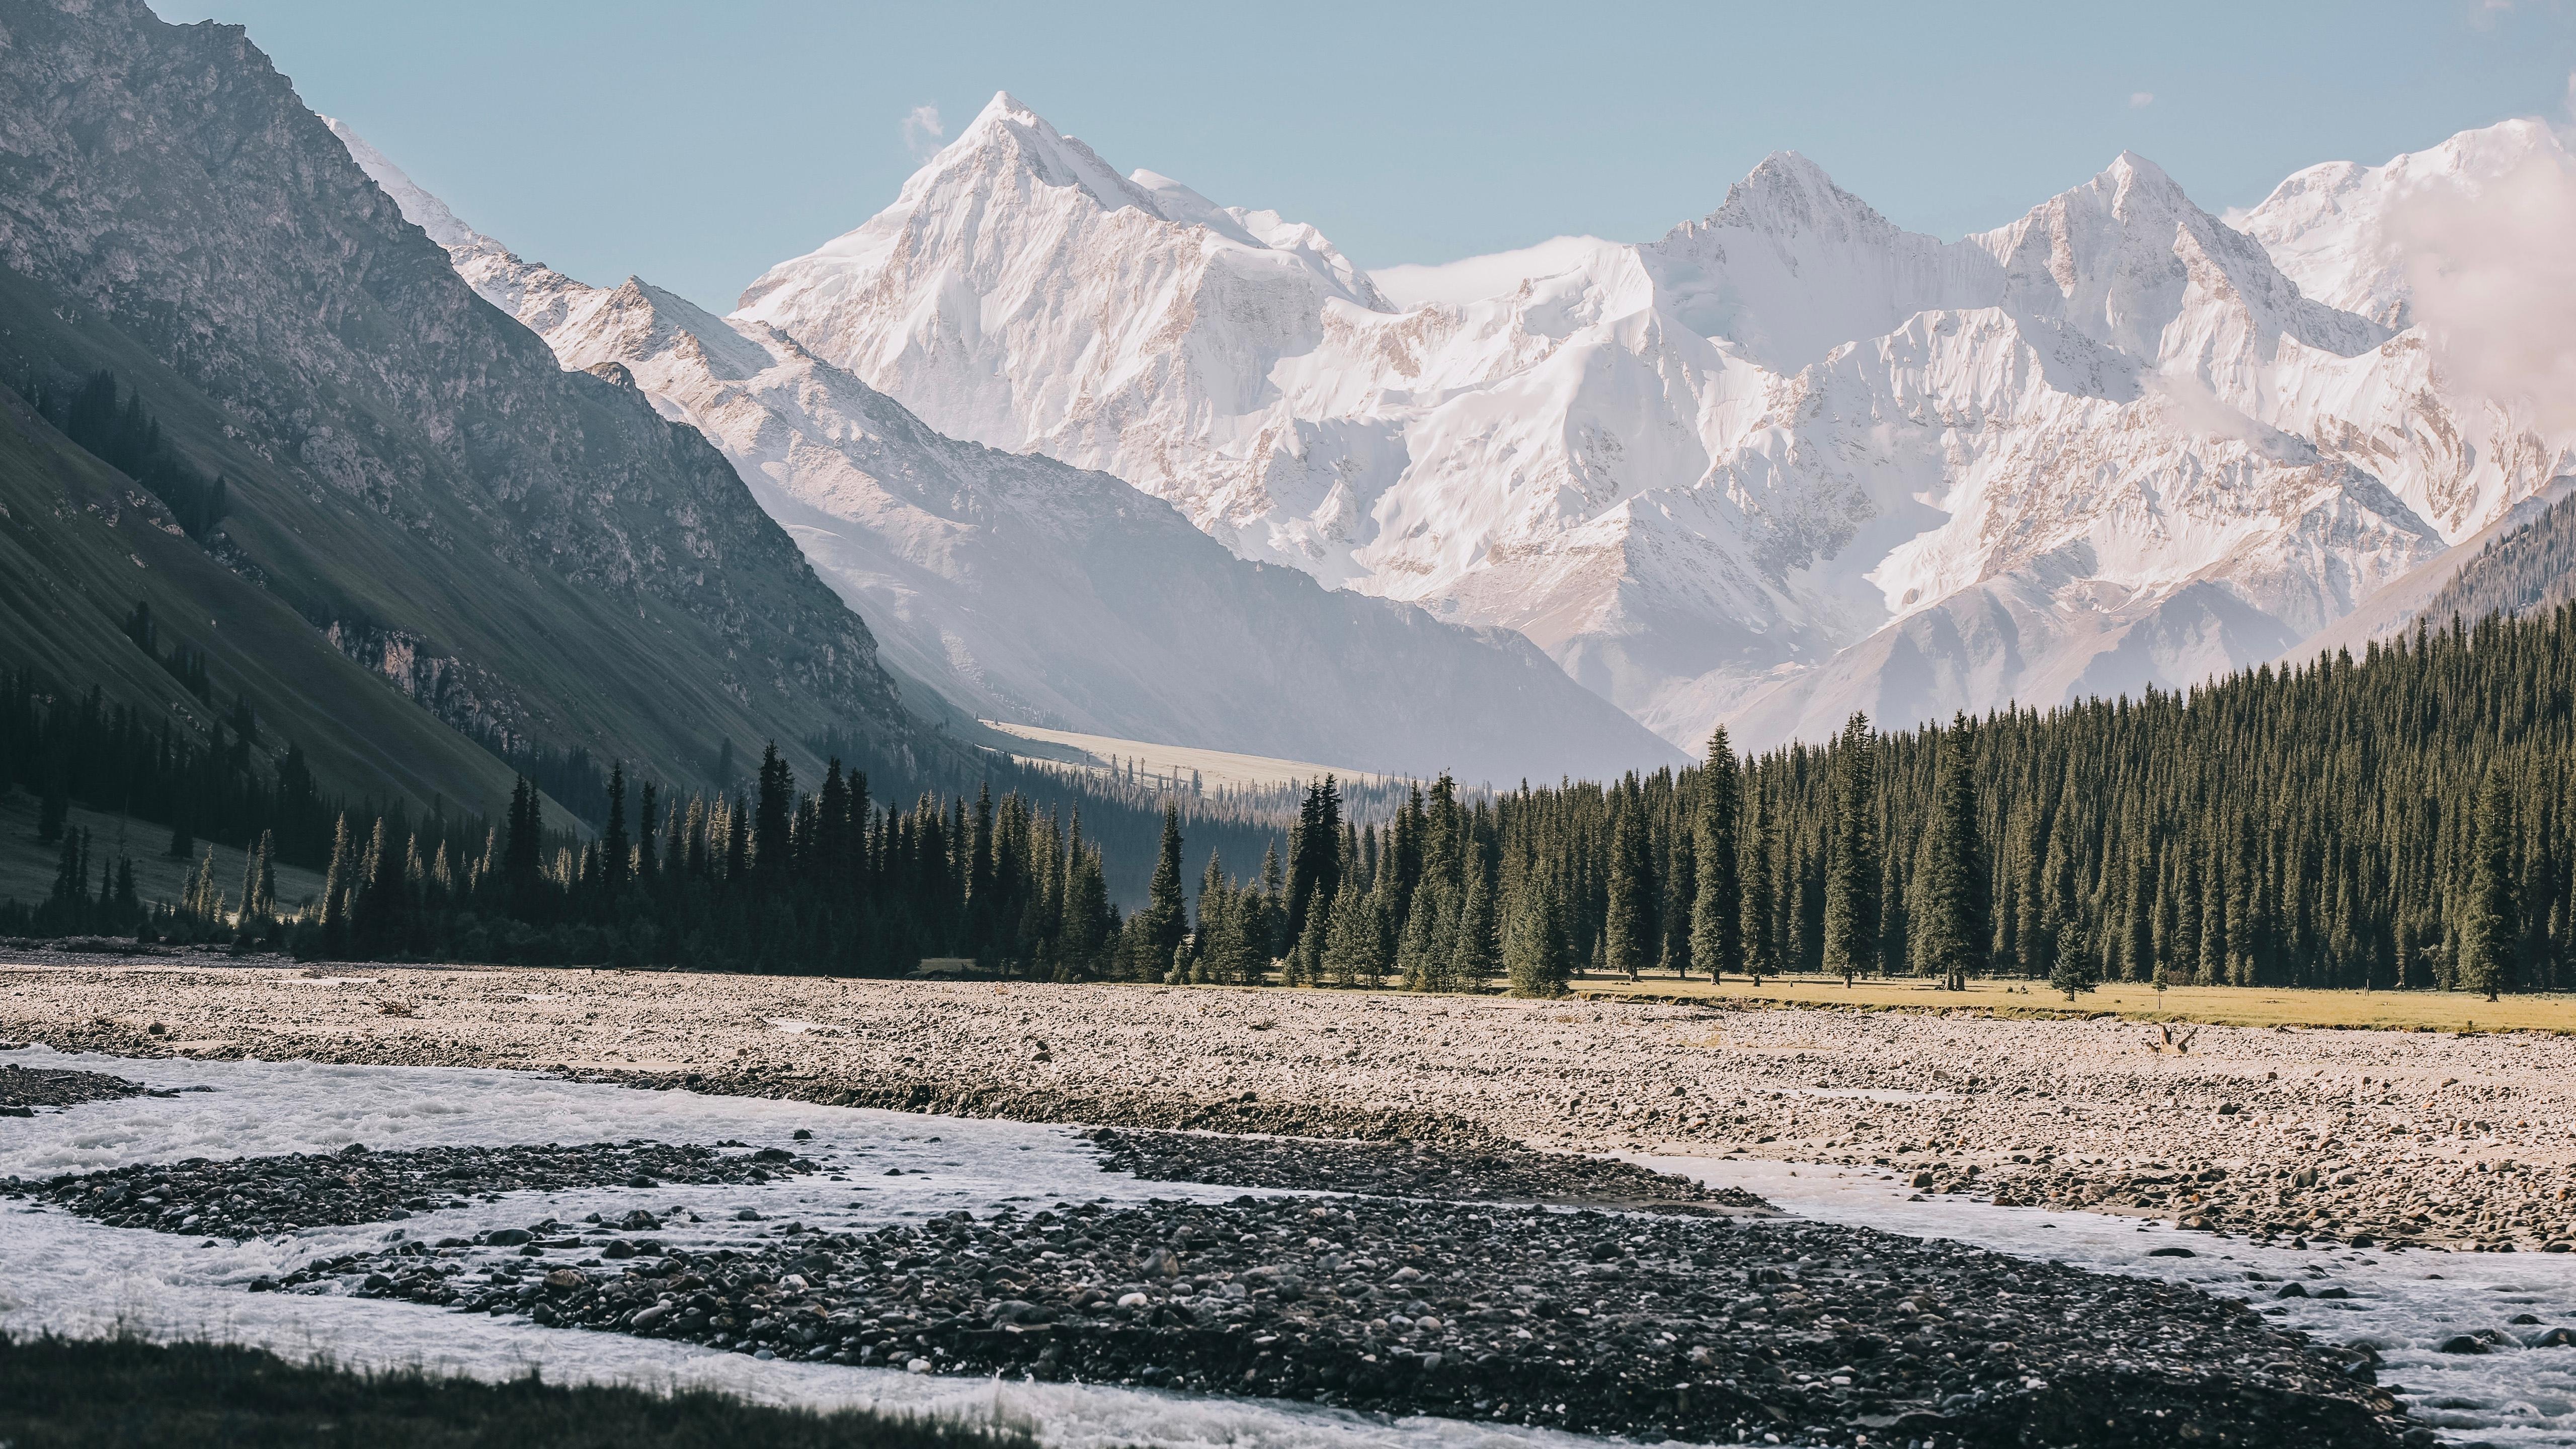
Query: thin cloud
[(2494, 286), (923, 131), (2140, 100)]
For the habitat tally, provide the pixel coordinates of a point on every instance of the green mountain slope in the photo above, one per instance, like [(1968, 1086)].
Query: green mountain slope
[(533, 554), (81, 545)]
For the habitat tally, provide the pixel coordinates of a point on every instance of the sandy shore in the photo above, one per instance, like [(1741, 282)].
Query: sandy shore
[(2446, 1140)]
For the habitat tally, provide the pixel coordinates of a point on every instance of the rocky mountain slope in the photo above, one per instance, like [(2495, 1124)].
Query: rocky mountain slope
[(1786, 461), (1041, 593), (530, 552)]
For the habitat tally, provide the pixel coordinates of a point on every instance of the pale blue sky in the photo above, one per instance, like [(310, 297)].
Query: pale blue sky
[(697, 144)]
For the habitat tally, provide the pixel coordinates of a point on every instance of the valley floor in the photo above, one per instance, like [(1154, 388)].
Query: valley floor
[(2391, 1137), (2306, 1170)]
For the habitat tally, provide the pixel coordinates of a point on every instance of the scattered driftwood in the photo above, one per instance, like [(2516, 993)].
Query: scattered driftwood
[(2166, 1041)]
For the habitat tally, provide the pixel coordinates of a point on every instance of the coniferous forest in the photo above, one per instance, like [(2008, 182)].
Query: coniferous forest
[(2405, 819)]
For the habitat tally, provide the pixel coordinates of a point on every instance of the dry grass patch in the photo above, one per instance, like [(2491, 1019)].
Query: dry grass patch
[(2452, 1011)]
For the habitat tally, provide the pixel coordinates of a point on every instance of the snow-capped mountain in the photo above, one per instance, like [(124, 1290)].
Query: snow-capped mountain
[(1033, 591), (2418, 411), (1786, 461)]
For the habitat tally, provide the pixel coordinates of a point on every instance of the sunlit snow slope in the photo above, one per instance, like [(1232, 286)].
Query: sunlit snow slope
[(1787, 461), (1049, 595)]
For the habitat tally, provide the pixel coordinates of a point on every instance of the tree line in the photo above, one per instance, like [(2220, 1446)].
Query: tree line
[(114, 424), (2406, 819)]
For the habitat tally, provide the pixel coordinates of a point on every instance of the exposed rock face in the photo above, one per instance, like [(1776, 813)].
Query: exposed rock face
[(408, 464)]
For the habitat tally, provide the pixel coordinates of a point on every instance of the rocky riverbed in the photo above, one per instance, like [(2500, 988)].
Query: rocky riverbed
[(2397, 1137), (1702, 1328), (256, 1196), (1411, 1169)]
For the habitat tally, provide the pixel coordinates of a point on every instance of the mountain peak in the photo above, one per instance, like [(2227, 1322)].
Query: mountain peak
[(2131, 175), (1786, 194), (1003, 109), (1007, 137)]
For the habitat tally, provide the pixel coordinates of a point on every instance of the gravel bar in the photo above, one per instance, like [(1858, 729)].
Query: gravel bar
[(256, 1196), (23, 1089), (2449, 1140), (1412, 1169), (1698, 1328)]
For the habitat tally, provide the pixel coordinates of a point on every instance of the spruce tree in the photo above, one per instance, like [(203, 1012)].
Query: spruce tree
[(201, 903), (775, 810), (1476, 955), (1536, 958), (71, 872), (523, 854), (1950, 934), (339, 884), (1717, 912), (1760, 887), (2490, 928), (249, 887), (1350, 938), (1165, 919), (377, 914), (1626, 926), (1852, 871), (1419, 960), (1304, 963), (2073, 971), (616, 851)]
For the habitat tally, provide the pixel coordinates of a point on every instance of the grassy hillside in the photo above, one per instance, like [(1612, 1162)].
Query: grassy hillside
[(534, 554), (27, 864), (80, 545)]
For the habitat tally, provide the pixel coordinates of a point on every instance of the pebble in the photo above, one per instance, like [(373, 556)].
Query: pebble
[(1411, 1169), (1659, 1325), (255, 1196)]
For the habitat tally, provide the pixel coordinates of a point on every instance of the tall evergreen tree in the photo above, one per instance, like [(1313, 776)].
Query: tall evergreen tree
[(1951, 934), (377, 916), (1165, 919), (1717, 912), (522, 883), (1627, 927), (616, 850), (1476, 955), (1760, 888), (1536, 958), (776, 807), (1852, 871), (2490, 928), (1314, 851)]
